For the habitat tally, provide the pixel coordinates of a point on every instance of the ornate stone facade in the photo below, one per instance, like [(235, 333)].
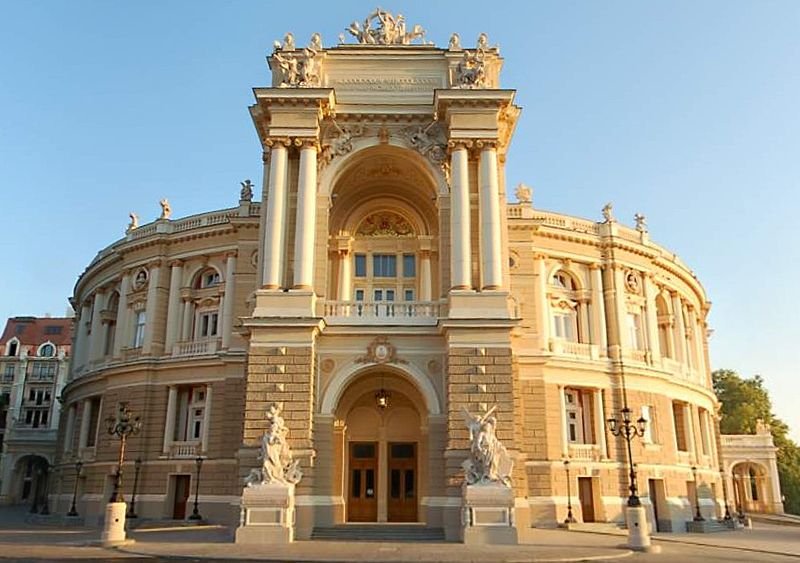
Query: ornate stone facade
[(385, 262)]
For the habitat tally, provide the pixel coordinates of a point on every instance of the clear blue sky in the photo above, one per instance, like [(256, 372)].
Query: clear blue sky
[(686, 111)]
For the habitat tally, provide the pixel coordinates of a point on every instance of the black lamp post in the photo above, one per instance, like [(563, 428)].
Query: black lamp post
[(570, 518), (46, 504), (629, 430), (727, 516), (196, 513), (78, 466), (697, 516), (137, 466), (121, 426)]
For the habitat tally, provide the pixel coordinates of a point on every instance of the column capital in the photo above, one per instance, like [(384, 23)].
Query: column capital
[(156, 263), (231, 254), (175, 263), (278, 142), (486, 144), (306, 143), (539, 256), (458, 144), (595, 266)]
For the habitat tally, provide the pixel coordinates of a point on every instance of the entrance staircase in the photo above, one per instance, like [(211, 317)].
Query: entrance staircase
[(379, 533)]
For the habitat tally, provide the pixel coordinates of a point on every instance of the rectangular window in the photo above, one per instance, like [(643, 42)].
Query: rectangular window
[(384, 265), (409, 266), (679, 419), (565, 325), (9, 372), (94, 421), (138, 331), (408, 295), (650, 433), (208, 325), (361, 265), (704, 432), (633, 321)]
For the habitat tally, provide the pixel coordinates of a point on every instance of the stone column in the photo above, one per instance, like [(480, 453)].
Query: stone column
[(188, 317), (150, 308), (599, 335), (542, 306), (689, 423), (562, 397), (82, 352), (173, 304), (169, 425), (86, 415), (305, 223), (697, 330), (69, 429), (652, 318), (275, 228), (679, 329), (229, 304), (96, 340), (491, 251), (425, 275), (600, 423), (123, 320), (623, 339), (583, 323), (345, 275), (460, 245), (265, 159), (206, 418)]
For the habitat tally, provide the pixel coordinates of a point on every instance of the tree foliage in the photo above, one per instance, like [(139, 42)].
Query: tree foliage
[(744, 402)]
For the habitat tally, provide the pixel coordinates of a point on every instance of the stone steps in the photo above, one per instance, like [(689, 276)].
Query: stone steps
[(379, 533), (709, 527)]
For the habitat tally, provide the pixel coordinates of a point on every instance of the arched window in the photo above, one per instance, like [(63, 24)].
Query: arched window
[(207, 278), (664, 327), (47, 350), (566, 308)]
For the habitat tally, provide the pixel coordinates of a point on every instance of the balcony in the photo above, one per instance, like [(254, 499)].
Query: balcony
[(584, 452), (191, 348), (188, 449), (577, 349), (635, 355), (411, 313)]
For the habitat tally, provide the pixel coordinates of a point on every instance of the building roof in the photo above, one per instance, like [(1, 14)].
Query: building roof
[(34, 331)]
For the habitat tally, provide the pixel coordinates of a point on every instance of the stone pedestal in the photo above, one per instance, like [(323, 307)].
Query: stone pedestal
[(638, 532), (488, 515), (267, 514), (114, 524)]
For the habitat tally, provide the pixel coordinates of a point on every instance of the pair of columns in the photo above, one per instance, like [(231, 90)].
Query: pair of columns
[(490, 220), (276, 220), (172, 418)]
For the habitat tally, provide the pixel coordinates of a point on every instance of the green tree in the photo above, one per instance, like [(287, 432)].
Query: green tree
[(745, 401)]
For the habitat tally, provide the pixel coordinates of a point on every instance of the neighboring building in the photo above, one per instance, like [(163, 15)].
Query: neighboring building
[(386, 264), (33, 370), (751, 469)]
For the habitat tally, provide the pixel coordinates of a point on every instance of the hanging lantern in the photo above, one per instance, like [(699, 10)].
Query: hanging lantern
[(382, 398)]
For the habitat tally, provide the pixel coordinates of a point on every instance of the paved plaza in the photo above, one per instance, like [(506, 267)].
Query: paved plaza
[(22, 541)]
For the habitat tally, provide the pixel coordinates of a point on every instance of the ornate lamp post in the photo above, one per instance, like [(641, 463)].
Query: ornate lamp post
[(121, 426), (195, 512), (570, 518), (137, 466), (727, 516), (629, 430), (698, 517), (78, 466)]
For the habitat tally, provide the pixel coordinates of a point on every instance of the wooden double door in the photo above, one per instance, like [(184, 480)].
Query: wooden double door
[(366, 485)]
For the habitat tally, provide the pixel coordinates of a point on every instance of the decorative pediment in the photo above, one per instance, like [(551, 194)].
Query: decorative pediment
[(385, 224)]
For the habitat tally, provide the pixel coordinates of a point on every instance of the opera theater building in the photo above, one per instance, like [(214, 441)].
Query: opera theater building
[(403, 323)]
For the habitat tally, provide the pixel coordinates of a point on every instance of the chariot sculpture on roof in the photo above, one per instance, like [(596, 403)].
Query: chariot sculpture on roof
[(383, 28)]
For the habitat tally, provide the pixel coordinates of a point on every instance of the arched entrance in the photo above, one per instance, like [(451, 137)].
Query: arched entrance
[(751, 487), (383, 447), (31, 473)]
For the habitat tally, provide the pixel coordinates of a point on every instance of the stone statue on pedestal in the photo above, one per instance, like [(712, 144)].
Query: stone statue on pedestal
[(277, 465), (488, 462)]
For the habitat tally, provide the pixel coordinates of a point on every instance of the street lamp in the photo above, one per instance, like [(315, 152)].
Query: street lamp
[(137, 465), (697, 516), (78, 466), (121, 426), (629, 430), (196, 513), (570, 518), (727, 516)]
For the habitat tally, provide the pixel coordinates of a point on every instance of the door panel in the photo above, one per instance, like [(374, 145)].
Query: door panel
[(586, 498), (181, 497), (403, 477), (362, 498)]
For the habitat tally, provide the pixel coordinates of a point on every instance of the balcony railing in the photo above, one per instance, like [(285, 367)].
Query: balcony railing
[(184, 449), (577, 349), (203, 347), (383, 312), (584, 452)]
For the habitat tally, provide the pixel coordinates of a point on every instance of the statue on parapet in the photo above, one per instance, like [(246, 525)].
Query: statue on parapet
[(166, 209), (488, 461), (383, 28), (134, 224), (641, 222), (608, 213), (246, 194)]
